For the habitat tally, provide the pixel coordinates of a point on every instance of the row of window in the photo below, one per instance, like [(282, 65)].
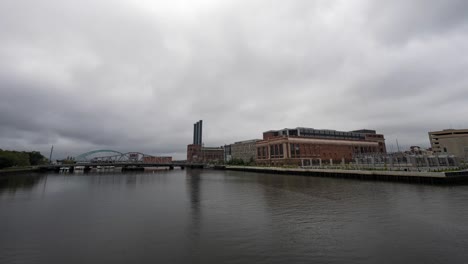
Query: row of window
[(330, 133), (295, 150), (276, 151), (298, 151), (262, 152)]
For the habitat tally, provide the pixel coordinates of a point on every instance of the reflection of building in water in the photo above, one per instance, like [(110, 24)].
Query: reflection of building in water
[(193, 189), (131, 180), (299, 145), (196, 152), (193, 179), (450, 141)]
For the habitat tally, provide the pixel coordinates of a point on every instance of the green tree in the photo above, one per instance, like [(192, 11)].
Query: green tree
[(14, 158), (5, 162), (36, 158)]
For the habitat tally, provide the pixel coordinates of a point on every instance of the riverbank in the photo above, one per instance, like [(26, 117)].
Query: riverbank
[(10, 171), (402, 176)]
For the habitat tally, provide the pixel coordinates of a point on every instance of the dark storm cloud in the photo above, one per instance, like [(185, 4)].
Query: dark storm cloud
[(402, 20), (135, 75)]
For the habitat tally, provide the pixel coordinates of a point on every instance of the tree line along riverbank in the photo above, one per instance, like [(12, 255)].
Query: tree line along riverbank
[(11, 160)]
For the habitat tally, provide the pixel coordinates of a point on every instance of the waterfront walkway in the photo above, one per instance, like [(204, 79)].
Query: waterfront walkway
[(405, 176)]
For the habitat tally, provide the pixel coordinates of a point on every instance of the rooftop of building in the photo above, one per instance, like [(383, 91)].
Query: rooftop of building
[(212, 148), (450, 131), (319, 141), (364, 131), (359, 131), (247, 141)]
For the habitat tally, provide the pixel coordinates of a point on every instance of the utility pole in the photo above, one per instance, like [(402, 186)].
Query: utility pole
[(50, 156)]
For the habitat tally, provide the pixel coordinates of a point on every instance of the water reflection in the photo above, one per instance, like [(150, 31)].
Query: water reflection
[(207, 216), (131, 180), (193, 179), (13, 183)]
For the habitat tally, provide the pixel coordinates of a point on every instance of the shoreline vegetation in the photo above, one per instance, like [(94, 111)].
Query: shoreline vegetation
[(20, 161)]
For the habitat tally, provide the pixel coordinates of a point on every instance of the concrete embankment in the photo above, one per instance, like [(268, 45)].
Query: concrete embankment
[(403, 176)]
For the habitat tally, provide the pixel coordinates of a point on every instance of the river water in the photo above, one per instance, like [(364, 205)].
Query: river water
[(208, 216)]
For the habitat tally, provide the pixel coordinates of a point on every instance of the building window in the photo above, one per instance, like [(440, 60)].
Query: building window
[(295, 150)]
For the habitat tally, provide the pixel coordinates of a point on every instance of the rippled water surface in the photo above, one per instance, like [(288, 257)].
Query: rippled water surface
[(207, 216)]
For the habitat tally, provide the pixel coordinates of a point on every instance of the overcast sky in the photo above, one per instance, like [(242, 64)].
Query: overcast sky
[(135, 75)]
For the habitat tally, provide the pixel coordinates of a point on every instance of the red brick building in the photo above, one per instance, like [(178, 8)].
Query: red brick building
[(196, 153), (199, 154), (160, 160), (307, 146)]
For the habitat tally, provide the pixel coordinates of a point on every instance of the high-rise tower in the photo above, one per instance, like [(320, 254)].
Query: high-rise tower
[(197, 133)]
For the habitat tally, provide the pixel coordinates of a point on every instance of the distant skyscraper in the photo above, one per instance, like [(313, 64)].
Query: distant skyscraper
[(197, 153)]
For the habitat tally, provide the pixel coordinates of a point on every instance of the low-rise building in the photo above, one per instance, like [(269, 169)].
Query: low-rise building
[(308, 146), (199, 154), (450, 141), (227, 153), (158, 159), (194, 153), (242, 150), (212, 154)]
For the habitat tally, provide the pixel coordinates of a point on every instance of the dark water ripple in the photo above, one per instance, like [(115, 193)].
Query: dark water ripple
[(208, 216)]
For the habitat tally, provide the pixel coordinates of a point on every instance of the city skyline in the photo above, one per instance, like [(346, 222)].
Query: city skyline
[(134, 75)]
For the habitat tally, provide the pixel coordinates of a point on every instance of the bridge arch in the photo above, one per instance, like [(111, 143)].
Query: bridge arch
[(133, 156), (84, 156)]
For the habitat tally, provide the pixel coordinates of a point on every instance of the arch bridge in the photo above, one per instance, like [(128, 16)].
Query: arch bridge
[(127, 161), (111, 156)]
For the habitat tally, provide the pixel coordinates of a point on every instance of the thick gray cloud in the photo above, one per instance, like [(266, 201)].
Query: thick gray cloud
[(135, 75), (402, 21)]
